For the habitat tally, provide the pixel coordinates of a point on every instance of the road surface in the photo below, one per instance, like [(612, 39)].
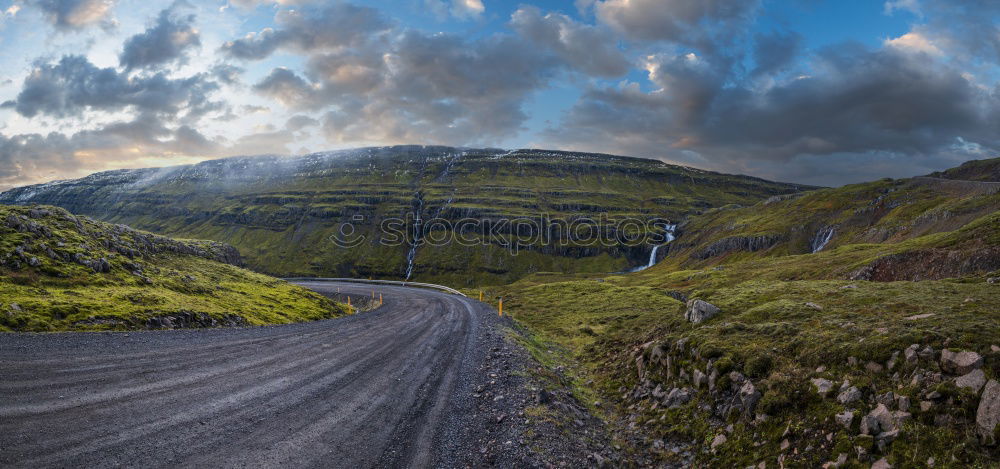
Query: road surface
[(387, 388)]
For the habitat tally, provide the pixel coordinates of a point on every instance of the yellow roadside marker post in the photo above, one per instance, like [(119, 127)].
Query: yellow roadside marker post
[(480, 295), (500, 307), (380, 299)]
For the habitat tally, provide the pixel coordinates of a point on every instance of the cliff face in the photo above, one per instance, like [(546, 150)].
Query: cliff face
[(286, 214)]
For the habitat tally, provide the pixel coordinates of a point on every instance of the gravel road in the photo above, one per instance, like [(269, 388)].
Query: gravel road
[(393, 387)]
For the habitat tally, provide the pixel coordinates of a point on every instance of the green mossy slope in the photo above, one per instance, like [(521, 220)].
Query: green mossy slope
[(789, 317), (63, 272)]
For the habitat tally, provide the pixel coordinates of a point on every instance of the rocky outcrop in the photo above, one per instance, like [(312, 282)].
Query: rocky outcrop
[(988, 413), (699, 311), (960, 363), (929, 264), (96, 245), (738, 244)]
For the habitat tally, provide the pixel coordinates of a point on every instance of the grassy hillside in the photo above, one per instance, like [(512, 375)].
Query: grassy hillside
[(64, 272), (282, 212), (976, 170), (791, 321), (914, 216)]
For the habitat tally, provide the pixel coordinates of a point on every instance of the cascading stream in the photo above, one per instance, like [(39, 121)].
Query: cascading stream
[(667, 238)]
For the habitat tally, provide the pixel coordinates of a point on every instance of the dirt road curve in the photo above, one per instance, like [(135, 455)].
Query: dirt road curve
[(388, 388)]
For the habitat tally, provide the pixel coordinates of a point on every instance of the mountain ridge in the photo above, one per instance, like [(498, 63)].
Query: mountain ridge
[(265, 204)]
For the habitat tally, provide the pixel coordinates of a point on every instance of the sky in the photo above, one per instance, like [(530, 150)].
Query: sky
[(807, 91)]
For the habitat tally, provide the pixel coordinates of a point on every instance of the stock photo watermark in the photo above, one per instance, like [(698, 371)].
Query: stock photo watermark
[(511, 233)]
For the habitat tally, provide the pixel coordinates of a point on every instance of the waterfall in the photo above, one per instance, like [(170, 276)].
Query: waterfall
[(667, 238), (652, 256), (822, 237), (417, 231)]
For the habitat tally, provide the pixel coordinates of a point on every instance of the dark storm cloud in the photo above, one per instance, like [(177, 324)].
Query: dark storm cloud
[(775, 51), (164, 42), (304, 30), (418, 88), (75, 14), (74, 85), (854, 101)]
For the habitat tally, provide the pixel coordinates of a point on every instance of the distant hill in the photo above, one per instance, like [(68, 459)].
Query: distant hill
[(59, 271), (281, 212), (976, 170), (906, 229)]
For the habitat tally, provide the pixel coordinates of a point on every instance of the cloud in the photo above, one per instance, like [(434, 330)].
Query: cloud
[(460, 9), (251, 4), (892, 6), (299, 122), (166, 41), (334, 27), (914, 42), (36, 157), (776, 51), (875, 103), (698, 23), (75, 14), (419, 88), (269, 141), (965, 30), (74, 85), (292, 91), (585, 48), (227, 73)]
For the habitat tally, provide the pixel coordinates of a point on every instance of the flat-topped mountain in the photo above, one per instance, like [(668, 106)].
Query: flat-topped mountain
[(283, 213)]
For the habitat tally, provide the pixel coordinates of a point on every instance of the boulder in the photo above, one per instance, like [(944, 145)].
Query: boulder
[(845, 418), (719, 440), (850, 395), (873, 367), (960, 363), (823, 386), (869, 425), (840, 461), (988, 414), (973, 380), (879, 420), (699, 311), (910, 354), (700, 379), (749, 396), (882, 464), (891, 363), (677, 397), (904, 403)]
